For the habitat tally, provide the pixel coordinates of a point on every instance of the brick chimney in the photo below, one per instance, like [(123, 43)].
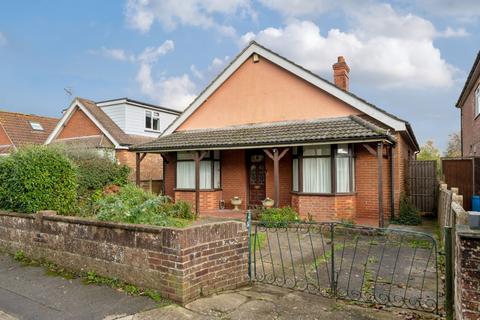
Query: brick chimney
[(340, 73)]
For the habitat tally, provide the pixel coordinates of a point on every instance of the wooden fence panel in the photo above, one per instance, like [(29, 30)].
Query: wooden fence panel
[(422, 184), (459, 173)]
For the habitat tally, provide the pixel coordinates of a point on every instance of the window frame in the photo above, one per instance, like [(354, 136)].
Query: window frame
[(154, 115), (212, 158), (333, 172), (36, 126)]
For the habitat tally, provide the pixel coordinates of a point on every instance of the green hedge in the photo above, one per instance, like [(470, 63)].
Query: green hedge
[(37, 178), (278, 217)]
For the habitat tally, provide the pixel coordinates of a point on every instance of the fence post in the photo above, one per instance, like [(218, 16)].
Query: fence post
[(249, 230), (333, 282), (449, 273)]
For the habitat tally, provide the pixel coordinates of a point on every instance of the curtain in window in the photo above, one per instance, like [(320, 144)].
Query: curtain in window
[(295, 175), (317, 175), (205, 175), (343, 174), (185, 175)]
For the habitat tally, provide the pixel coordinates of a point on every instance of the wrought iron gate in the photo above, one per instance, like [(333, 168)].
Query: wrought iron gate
[(381, 266)]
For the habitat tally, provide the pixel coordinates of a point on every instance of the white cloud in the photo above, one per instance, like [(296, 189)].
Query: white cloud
[(298, 8), (3, 39), (460, 9), (215, 66), (453, 33), (176, 91), (116, 54), (141, 14), (386, 58), (151, 54)]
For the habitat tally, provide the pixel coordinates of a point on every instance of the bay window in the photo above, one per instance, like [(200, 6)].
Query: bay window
[(324, 169), (209, 171)]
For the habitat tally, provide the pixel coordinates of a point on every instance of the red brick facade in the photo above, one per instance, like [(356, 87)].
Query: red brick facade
[(79, 125), (361, 205), (470, 123)]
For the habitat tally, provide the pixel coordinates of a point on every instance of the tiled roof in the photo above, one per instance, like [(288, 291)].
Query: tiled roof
[(121, 137), (18, 128), (266, 134), (469, 80), (98, 141)]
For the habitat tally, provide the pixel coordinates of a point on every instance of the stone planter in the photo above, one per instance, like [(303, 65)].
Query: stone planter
[(268, 203), (236, 202)]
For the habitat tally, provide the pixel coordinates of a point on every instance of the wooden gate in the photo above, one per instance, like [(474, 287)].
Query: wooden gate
[(422, 184), (459, 172)]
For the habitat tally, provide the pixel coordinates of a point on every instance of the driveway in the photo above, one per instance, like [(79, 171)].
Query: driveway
[(28, 293)]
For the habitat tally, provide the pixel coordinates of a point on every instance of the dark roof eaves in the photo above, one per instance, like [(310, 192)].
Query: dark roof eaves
[(476, 63)]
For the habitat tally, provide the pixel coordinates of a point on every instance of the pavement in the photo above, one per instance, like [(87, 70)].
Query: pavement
[(27, 292)]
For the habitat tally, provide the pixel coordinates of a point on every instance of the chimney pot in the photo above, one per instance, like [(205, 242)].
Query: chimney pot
[(340, 73)]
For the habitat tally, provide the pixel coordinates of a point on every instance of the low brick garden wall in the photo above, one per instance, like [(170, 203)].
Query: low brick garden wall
[(182, 264)]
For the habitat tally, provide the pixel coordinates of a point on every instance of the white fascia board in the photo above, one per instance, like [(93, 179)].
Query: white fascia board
[(397, 125), (67, 116)]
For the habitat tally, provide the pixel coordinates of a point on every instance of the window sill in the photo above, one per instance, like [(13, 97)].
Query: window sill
[(152, 131), (193, 190), (323, 194)]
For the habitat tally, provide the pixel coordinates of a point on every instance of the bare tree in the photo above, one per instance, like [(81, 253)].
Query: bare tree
[(454, 146)]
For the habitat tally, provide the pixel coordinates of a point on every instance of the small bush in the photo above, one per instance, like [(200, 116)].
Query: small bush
[(278, 217), (408, 213), (37, 178), (134, 205), (96, 170)]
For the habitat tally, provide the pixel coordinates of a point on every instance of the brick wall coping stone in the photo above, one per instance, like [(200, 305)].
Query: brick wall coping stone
[(109, 224)]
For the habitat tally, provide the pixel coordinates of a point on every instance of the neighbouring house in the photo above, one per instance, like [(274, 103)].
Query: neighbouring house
[(18, 129), (469, 105), (267, 127), (114, 125)]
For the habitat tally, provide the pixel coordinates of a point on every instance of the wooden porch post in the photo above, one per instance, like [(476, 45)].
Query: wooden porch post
[(276, 156), (138, 160), (380, 184), (198, 157)]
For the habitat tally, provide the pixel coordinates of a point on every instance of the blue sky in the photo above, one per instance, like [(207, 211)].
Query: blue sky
[(408, 57)]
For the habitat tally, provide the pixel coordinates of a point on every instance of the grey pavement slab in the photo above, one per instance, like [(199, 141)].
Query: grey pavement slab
[(28, 293)]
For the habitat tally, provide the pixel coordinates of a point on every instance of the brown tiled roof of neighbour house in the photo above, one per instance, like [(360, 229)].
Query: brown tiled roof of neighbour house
[(108, 124), (295, 132), (20, 131)]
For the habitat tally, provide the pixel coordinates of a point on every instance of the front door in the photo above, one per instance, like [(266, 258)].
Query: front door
[(256, 178)]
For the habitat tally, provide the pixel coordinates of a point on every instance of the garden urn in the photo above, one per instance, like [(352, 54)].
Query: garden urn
[(236, 202), (268, 203)]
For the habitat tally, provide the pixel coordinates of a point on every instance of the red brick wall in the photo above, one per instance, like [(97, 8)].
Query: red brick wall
[(79, 125), (182, 264), (169, 182), (325, 208), (234, 177), (209, 200), (151, 166), (366, 177), (470, 125)]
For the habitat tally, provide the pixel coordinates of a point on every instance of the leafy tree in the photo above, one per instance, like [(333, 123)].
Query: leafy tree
[(454, 147), (429, 151)]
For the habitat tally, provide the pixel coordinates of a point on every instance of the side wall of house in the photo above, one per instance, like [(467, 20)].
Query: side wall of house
[(79, 125), (470, 125), (4, 139), (151, 167), (282, 96)]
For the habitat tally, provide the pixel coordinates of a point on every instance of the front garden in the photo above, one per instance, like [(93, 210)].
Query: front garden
[(85, 183)]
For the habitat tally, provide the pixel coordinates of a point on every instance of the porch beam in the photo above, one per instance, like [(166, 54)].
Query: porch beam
[(197, 157), (138, 160), (275, 155), (381, 218)]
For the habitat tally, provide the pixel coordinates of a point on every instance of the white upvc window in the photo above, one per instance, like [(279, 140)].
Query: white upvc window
[(477, 101), (152, 120), (210, 171)]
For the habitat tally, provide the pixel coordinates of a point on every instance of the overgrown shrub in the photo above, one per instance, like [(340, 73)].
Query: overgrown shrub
[(132, 204), (278, 217), (96, 169), (409, 215), (37, 178)]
